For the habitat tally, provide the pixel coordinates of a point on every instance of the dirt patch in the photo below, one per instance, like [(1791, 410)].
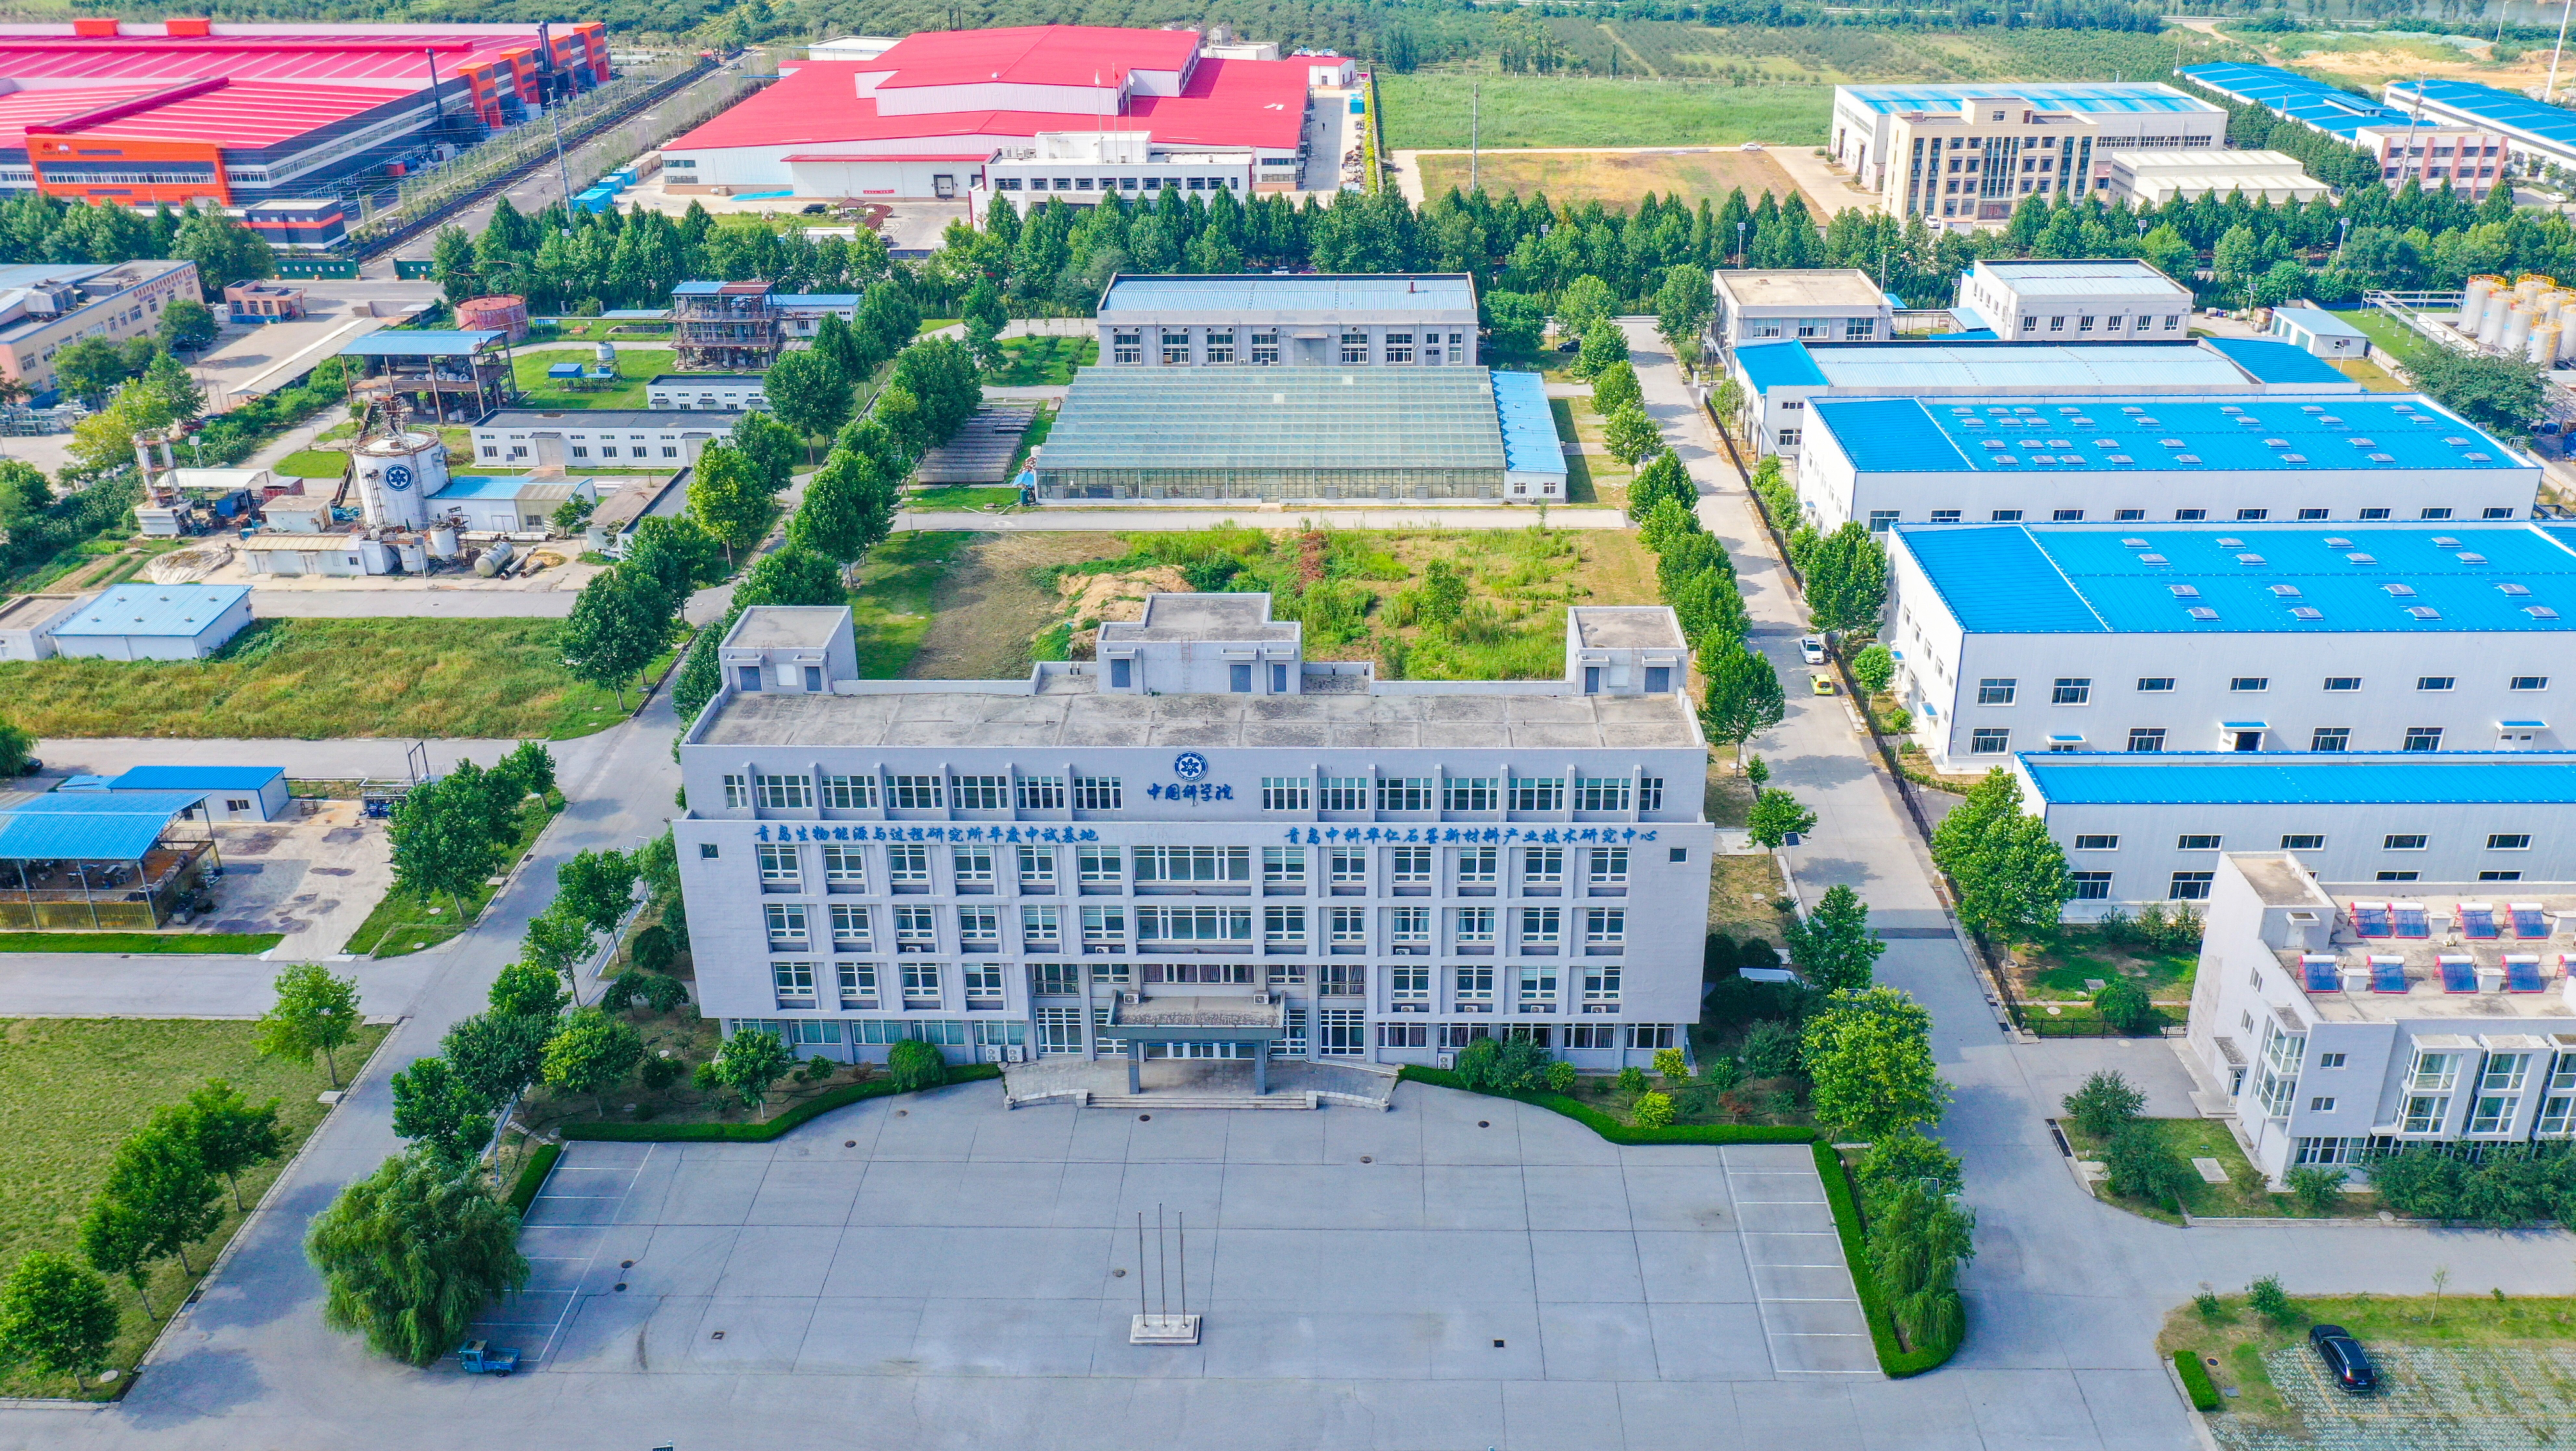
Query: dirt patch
[(990, 601), (1612, 178), (1117, 596)]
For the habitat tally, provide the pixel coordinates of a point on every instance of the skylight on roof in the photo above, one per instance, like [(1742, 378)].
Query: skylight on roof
[(2203, 612), (2362, 558), (2479, 458), (2131, 408), (2294, 458), (2060, 443), (2540, 612), (2229, 408), (2401, 407), (2306, 612), (2144, 419), (2133, 544), (2470, 557), (2445, 541), (2383, 458), (2106, 443), (2117, 458), (2334, 543), (2171, 442), (2331, 421), (2153, 559), (2363, 442), (2186, 458), (2227, 541), (2249, 559), (2515, 590), (2424, 612), (2400, 591), (2457, 442), (2310, 408), (2068, 408), (2184, 591), (2286, 591), (2276, 443)]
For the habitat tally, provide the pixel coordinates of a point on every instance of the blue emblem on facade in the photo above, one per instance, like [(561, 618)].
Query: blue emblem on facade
[(398, 477), (1189, 765)]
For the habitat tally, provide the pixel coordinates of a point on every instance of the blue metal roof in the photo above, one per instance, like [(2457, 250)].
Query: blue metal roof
[(395, 344), (2229, 778), (2335, 111), (2509, 111), (2272, 433), (2098, 98), (93, 826), (1952, 361), (2248, 578), (1771, 364), (2272, 362), (1530, 444), (185, 610), (814, 299), (1268, 292), (196, 778), (488, 486)]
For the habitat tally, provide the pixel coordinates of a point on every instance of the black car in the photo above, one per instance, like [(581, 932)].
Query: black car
[(2345, 1360)]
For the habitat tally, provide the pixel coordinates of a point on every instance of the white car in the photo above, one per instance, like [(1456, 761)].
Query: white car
[(1812, 649)]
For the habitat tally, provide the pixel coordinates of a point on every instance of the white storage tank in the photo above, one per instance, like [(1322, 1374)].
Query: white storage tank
[(442, 541), (2543, 348), (2517, 329), (2473, 303), (396, 475)]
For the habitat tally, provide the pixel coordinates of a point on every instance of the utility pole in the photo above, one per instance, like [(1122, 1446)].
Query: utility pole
[(2550, 91), (1475, 108)]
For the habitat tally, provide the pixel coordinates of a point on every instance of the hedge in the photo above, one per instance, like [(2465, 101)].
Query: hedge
[(2196, 1382), (532, 1177), (1893, 1358), (761, 1133)]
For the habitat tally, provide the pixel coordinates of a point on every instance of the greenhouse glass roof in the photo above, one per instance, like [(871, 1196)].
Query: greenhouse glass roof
[(1316, 419)]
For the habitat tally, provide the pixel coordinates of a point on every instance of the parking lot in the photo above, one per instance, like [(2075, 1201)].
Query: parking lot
[(2431, 1398)]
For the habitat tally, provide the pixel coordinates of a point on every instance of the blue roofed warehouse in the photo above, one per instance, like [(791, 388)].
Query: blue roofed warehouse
[(89, 861)]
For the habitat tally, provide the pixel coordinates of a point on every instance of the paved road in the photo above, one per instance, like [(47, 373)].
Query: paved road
[(1070, 520), (114, 985), (342, 760), (385, 604)]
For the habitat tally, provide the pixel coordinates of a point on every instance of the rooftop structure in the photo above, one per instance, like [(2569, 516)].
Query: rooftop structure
[(2345, 1021), (27, 624), (45, 308), (155, 622), (2059, 301), (1820, 303), (435, 372), (726, 326), (183, 110), (1533, 455), (1265, 319), (2411, 144), (225, 793), (81, 860), (2244, 637), (2535, 132), (2152, 178), (1304, 433), (2317, 331), (605, 438), (1965, 155), (930, 115)]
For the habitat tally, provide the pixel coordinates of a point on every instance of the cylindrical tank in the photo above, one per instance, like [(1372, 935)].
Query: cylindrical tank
[(2542, 346), (495, 555), (504, 313), (396, 475), (2473, 302), (442, 541), (415, 558), (2517, 330), (2491, 323)]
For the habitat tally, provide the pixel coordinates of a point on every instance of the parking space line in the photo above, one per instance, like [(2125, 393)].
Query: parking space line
[(572, 1296)]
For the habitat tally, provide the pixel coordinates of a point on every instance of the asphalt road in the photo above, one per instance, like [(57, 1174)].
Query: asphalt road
[(1072, 520)]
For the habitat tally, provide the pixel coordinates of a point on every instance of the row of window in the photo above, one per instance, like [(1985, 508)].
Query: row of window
[(973, 867), (1120, 183), (1997, 740), (2308, 841), (1399, 794), (2078, 689), (1111, 929), (799, 984), (1881, 519), (2146, 322), (2194, 886), (1127, 346)]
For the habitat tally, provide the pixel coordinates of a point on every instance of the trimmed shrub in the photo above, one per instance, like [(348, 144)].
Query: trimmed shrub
[(1654, 1110), (915, 1065), (2196, 1382)]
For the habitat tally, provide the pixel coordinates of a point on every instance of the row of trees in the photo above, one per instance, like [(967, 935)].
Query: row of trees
[(2007, 873), (567, 261), (451, 833), (36, 228)]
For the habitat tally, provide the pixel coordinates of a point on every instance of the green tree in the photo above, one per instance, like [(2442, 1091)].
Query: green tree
[(17, 748), (224, 250), (1682, 308), (527, 990), (411, 1254), (91, 368), (1869, 1059), (443, 838), (557, 940), (438, 1110), (1583, 302), (2316, 1187), (1874, 669), (620, 621), (314, 1013), (1444, 593), (770, 446), (1631, 435), (158, 1178), (1743, 693), (678, 554), (528, 770), (791, 576), (1776, 816), (2499, 393), (56, 1317), (116, 1240), (597, 887), (592, 1053), (1604, 343), (1908, 1157), (2104, 1104), (1920, 1239), (751, 1061), (847, 510), (498, 1054), (2125, 1006), (915, 1065), (1616, 388), (1833, 945), (1846, 579), (2014, 882), (2141, 1165), (1662, 479), (1515, 319), (231, 1134), (810, 394), (186, 325), (727, 498)]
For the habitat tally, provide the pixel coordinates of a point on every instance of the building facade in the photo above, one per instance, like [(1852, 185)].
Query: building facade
[(1967, 155), (154, 622), (2234, 638), (727, 392), (2411, 144), (2141, 829), (2057, 301), (2364, 458), (1265, 320), (607, 438), (2344, 1022), (1818, 304), (45, 309), (2152, 178), (1399, 868)]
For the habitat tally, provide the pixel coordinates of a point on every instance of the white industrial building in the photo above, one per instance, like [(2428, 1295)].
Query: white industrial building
[(1283, 320), (1780, 380), (1964, 155), (2315, 330), (606, 438), (1815, 304), (725, 392), (2246, 638), (2062, 301), (27, 624), (2152, 178), (2343, 1022), (155, 622), (1199, 830), (2144, 828), (2037, 458)]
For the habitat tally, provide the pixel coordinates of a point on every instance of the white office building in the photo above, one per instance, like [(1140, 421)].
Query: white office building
[(599, 438), (2056, 301), (1809, 304), (2346, 1021), (1962, 156), (1267, 320), (1203, 829), (2145, 828), (2250, 638), (2041, 459)]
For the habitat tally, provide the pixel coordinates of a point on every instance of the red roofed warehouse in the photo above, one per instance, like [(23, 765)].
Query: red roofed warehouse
[(240, 115), (1028, 108)]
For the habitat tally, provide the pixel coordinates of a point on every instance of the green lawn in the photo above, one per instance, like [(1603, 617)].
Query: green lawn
[(634, 368), (323, 679), (2243, 1195), (403, 923), (2510, 1390), (2386, 333), (312, 463), (595, 330), (1043, 362), (1431, 110), (963, 496), (243, 943), (72, 1089), (891, 609)]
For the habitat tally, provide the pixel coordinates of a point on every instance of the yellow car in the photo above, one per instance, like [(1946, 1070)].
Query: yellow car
[(1824, 684)]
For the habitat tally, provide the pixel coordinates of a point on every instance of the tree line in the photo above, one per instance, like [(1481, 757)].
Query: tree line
[(579, 261)]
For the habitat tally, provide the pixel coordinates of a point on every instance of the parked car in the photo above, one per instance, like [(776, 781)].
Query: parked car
[(1824, 684), (1811, 649), (818, 209), (2345, 1360)]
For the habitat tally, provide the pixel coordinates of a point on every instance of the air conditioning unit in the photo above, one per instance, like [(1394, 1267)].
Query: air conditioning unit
[(1446, 1059)]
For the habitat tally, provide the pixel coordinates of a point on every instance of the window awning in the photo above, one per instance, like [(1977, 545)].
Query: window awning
[(2522, 725), (2245, 725)]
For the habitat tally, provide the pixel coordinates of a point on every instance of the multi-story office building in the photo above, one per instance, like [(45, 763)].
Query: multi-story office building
[(2411, 144), (1204, 820), (1264, 320), (45, 309), (2056, 302), (1965, 155), (2141, 828), (2347, 1021), (2041, 458), (2245, 638), (2535, 132)]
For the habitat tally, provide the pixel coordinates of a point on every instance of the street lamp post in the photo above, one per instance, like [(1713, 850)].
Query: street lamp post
[(1739, 244)]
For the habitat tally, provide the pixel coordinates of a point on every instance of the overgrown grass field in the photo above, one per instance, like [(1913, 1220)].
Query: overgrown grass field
[(322, 679), (891, 609), (1612, 178), (1048, 361), (634, 369), (72, 1089), (1430, 109), (1834, 54), (312, 463)]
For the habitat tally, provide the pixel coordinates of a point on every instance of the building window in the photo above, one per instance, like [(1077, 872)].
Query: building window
[(1265, 347), (2423, 738), (1104, 929), (2189, 887), (917, 793), (1041, 928), (2146, 738), (1097, 866), (845, 868), (973, 867), (1542, 866), (1404, 794), (2509, 841), (786, 924), (2249, 684), (2528, 682), (1471, 793), (1542, 929), (2403, 841), (908, 866), (784, 793), (2071, 691), (778, 867), (1041, 793), (2435, 682), (1355, 348), (1346, 793), (1287, 793), (1475, 926), (850, 793), (1473, 989), (1348, 868), (921, 984), (795, 983), (1037, 869), (914, 930), (1399, 347), (1608, 866), (2298, 841), (1409, 929), (1535, 990), (2191, 841), (1283, 929), (1476, 866), (2092, 886), (1600, 793), (1349, 927), (2155, 684), (1220, 345), (858, 982), (1537, 794), (1176, 349), (1989, 741), (1283, 866), (1993, 691), (1410, 867), (1605, 929), (1096, 793)]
